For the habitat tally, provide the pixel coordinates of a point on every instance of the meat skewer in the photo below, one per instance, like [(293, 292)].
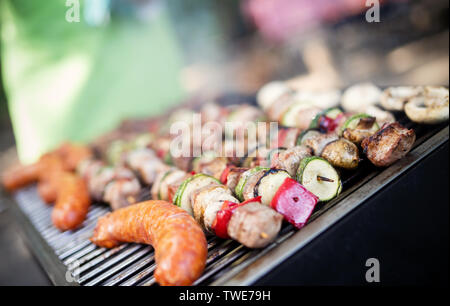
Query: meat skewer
[(204, 197)]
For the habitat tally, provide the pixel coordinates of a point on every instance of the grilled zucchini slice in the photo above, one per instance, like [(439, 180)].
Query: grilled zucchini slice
[(183, 195), (330, 113), (289, 118), (243, 179), (319, 177), (269, 184)]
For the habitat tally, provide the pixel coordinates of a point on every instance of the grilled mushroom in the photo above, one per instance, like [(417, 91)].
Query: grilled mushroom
[(430, 108), (394, 98), (357, 97)]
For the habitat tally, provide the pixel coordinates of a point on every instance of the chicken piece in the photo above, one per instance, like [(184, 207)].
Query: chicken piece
[(391, 143)]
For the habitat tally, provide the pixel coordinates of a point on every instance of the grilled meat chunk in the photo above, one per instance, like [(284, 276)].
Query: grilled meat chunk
[(290, 158), (365, 128), (254, 225), (391, 143)]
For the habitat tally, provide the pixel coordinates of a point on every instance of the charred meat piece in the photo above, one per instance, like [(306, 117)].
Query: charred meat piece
[(391, 143), (254, 225), (207, 201), (365, 128), (290, 159), (233, 177)]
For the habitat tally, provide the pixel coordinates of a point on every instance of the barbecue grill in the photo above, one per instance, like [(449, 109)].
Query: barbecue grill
[(69, 258)]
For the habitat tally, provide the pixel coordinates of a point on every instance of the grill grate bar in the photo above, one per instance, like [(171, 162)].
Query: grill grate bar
[(130, 270), (97, 260), (71, 248), (88, 249), (109, 263), (138, 277), (109, 272)]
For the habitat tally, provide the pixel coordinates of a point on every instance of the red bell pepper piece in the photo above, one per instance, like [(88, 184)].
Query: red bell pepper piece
[(220, 224), (294, 202), (327, 124), (282, 136), (224, 175)]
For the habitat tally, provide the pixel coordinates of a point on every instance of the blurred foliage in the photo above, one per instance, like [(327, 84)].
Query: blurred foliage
[(72, 81)]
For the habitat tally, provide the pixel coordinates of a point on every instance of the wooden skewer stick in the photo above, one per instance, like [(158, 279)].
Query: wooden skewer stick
[(324, 179)]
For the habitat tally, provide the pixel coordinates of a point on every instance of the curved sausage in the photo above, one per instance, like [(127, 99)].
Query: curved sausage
[(20, 176), (50, 177), (72, 203), (179, 242)]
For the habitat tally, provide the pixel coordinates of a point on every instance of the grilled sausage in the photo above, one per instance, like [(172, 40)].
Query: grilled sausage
[(20, 176), (72, 203), (391, 143), (179, 242), (73, 154), (50, 177)]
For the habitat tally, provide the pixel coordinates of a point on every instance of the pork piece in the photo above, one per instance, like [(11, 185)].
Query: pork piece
[(213, 167), (160, 189), (249, 188), (179, 242), (342, 153), (233, 177), (257, 157), (207, 201), (101, 178), (146, 163), (290, 159), (122, 192), (391, 143), (290, 139), (254, 225), (117, 186), (319, 141)]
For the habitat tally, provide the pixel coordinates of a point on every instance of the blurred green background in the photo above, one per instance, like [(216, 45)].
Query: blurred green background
[(136, 58)]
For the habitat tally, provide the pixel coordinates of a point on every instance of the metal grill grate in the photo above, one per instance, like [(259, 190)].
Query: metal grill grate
[(133, 264), (125, 265)]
